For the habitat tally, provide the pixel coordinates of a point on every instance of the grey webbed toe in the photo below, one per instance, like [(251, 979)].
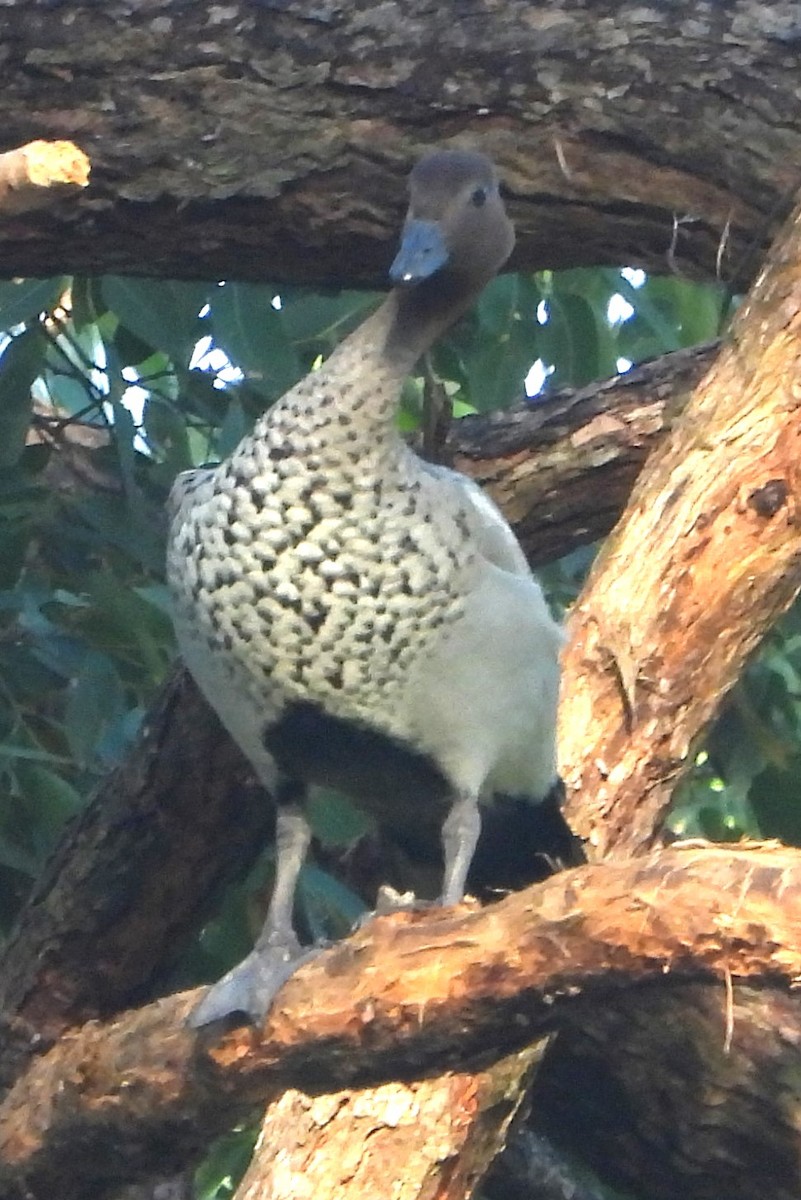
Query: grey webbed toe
[(250, 988)]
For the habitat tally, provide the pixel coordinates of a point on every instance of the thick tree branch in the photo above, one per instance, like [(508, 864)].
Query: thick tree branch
[(270, 140), (706, 558), (411, 993), (562, 468)]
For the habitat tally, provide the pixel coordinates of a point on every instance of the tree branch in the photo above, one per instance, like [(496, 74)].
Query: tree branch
[(271, 139), (410, 993), (709, 549), (562, 468), (361, 1138), (132, 875)]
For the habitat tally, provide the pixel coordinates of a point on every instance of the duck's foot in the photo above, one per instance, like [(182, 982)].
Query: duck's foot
[(249, 989)]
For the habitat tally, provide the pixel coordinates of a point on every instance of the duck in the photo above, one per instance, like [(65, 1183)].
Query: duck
[(362, 619)]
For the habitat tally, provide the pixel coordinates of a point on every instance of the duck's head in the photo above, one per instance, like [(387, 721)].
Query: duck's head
[(456, 224)]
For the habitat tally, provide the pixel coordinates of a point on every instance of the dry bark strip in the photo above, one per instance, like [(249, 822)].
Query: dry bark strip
[(39, 174), (706, 558), (413, 993)]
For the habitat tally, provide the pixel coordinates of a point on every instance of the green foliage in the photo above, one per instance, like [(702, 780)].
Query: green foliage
[(218, 1175), (746, 779)]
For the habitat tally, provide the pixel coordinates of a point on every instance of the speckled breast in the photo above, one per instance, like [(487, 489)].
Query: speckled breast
[(323, 582)]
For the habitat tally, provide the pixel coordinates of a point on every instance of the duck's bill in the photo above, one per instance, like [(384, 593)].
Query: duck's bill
[(422, 253)]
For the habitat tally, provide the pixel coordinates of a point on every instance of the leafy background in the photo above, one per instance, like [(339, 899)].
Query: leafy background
[(109, 387)]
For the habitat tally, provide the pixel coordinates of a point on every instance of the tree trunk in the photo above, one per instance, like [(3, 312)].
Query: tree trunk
[(658, 638), (270, 140), (432, 1138)]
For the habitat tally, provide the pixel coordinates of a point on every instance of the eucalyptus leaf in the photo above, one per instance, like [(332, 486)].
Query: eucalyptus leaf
[(95, 700), (330, 909), (570, 341), (18, 859), (55, 802), (498, 305), (164, 315), (323, 320), (497, 369), (251, 332), (20, 363), (22, 300)]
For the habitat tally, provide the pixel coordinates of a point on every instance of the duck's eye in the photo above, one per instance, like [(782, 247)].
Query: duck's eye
[(478, 197)]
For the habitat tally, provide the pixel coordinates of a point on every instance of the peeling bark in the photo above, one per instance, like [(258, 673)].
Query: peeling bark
[(270, 140), (346, 1145), (658, 638)]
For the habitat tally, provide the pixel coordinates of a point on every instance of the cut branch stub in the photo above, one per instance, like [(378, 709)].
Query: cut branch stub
[(39, 174)]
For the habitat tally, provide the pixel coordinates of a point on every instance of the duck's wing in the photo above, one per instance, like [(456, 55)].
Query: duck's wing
[(187, 488), (489, 529)]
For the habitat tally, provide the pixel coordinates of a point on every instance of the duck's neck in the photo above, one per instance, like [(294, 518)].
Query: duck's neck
[(368, 369), (419, 315)]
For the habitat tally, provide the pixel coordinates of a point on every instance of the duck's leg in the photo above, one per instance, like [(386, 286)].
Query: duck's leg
[(459, 839), (250, 987)]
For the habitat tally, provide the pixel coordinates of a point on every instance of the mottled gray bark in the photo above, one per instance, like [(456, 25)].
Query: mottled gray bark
[(269, 138)]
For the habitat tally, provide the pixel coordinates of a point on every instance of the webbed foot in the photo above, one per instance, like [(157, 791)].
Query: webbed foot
[(250, 988)]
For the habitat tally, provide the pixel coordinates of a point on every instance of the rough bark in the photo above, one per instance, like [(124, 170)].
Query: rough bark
[(657, 639), (423, 991), (455, 1127), (692, 1093), (270, 140)]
